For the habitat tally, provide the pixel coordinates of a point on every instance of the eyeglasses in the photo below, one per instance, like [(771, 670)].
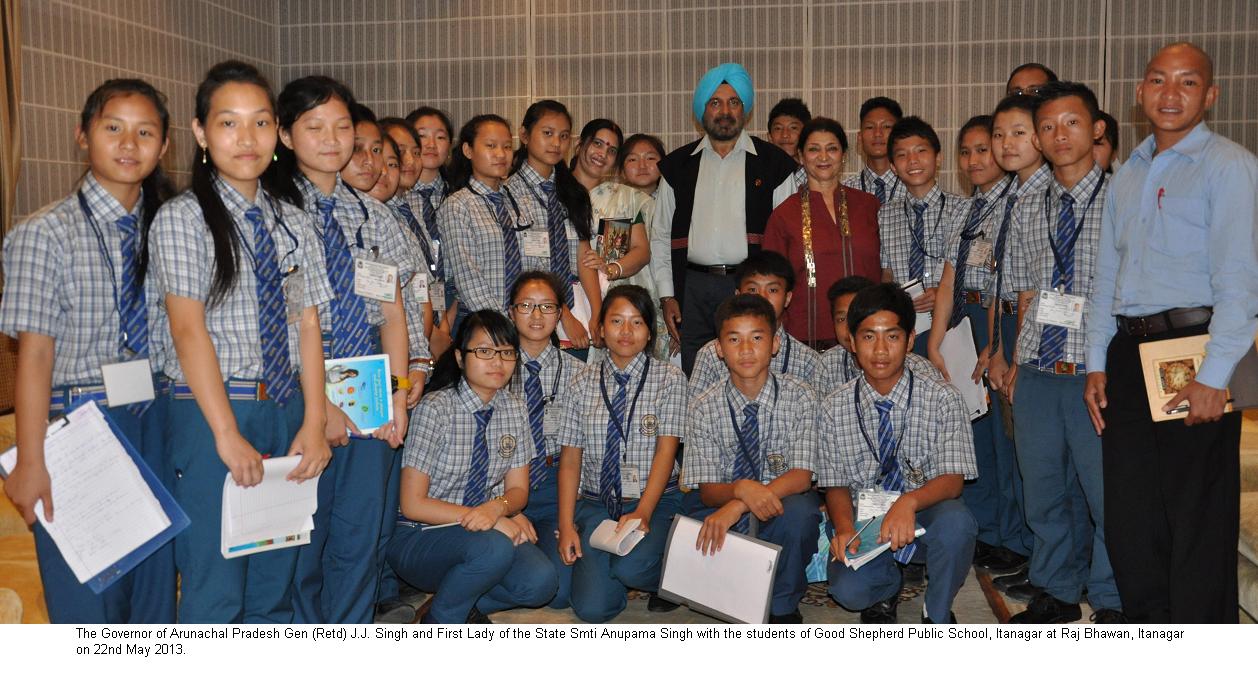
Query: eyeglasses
[(544, 308), (487, 353)]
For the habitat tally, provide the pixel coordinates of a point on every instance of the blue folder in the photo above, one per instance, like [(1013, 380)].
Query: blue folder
[(178, 518)]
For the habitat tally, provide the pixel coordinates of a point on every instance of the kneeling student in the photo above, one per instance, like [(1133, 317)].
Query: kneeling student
[(901, 439), (750, 444)]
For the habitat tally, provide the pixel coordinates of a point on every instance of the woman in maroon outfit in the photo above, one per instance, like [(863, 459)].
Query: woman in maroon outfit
[(844, 233)]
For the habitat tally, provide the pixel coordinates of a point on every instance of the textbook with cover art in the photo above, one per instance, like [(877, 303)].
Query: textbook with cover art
[(869, 548), (1170, 365), (362, 388)]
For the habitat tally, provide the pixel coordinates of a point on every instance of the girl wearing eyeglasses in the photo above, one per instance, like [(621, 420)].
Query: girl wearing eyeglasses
[(465, 474), (546, 377)]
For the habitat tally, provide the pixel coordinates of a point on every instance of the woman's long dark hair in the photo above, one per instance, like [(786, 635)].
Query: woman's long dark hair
[(572, 195), (217, 219), (446, 372), (460, 165), (156, 187), (299, 97), (591, 129)]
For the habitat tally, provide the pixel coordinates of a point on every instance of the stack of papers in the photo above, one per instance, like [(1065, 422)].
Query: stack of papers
[(607, 539), (961, 357), (276, 513)]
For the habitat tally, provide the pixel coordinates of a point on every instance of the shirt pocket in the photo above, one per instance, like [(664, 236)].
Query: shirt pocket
[(1180, 230)]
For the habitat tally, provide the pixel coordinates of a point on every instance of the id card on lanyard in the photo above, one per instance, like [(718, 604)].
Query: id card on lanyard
[(128, 381), (1056, 307), (630, 477)]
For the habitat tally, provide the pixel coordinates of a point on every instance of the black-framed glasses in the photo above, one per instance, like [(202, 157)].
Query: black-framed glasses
[(487, 353), (527, 308)]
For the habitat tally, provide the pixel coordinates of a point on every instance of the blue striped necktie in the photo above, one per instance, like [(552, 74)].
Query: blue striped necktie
[(747, 462), (880, 190), (511, 262), (968, 235), (537, 421), (917, 247), (609, 477), (999, 258), (430, 224), (133, 313), (351, 335), (1053, 339), (412, 223), (560, 263), (277, 369), (889, 465), (474, 493)]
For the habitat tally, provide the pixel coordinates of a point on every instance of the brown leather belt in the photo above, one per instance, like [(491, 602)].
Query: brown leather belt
[(1009, 306), (1161, 322), (975, 297)]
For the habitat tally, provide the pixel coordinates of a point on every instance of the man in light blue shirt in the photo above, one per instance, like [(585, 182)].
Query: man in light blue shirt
[(1177, 257)]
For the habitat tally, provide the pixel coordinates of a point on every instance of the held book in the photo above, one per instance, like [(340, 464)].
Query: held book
[(607, 539), (1169, 365), (362, 387), (110, 510), (274, 514)]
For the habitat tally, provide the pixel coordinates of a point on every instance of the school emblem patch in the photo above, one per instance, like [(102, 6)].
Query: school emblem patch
[(650, 425), (506, 445), (916, 475), (777, 463)]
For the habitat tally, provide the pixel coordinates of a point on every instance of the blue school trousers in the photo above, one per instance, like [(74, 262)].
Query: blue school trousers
[(600, 580), (215, 590), (948, 546), (337, 573), (388, 587), (795, 531), (543, 512), (465, 569), (146, 594)]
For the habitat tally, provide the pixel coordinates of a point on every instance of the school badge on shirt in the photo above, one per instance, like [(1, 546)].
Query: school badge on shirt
[(506, 446), (777, 463), (650, 425)]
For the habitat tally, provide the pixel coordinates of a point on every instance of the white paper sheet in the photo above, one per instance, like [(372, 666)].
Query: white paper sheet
[(923, 321), (735, 583), (276, 513), (581, 310), (960, 356), (607, 539), (104, 510)]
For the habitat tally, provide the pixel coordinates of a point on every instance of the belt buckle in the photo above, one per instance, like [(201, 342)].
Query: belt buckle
[(1064, 368), (1141, 325), (262, 391)]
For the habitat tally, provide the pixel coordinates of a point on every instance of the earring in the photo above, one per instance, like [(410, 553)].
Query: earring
[(205, 155), (275, 157)]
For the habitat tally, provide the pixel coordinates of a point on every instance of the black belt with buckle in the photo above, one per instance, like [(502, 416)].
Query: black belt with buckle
[(1161, 322), (712, 269)]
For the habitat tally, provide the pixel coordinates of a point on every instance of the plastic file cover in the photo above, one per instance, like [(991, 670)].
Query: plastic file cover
[(735, 584)]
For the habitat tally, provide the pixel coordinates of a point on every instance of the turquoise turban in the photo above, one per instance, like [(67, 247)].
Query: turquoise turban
[(733, 74)]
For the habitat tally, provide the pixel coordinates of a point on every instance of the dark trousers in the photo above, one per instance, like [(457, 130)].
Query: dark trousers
[(704, 292), (1172, 501)]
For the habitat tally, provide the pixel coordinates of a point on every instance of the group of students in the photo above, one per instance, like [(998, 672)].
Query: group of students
[(531, 426)]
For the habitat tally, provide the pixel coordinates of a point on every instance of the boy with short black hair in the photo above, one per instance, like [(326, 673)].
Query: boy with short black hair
[(916, 230), (786, 120), (1055, 261), (751, 441), (767, 274), (901, 440), (838, 364), (876, 177), (1105, 149)]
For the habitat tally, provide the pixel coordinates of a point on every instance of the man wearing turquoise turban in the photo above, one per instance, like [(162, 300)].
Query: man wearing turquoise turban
[(715, 196)]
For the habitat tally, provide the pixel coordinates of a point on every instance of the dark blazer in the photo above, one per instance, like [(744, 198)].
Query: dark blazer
[(766, 170)]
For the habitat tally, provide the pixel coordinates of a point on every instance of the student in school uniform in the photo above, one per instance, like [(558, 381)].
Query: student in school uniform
[(488, 234), (431, 154), (964, 291), (1054, 263), (1176, 258), (787, 118), (751, 443), (560, 207), (230, 258), (915, 230), (545, 382), (876, 176), (337, 573), (838, 365), (465, 476), (638, 162), (620, 432), (77, 298), (901, 439), (767, 274)]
